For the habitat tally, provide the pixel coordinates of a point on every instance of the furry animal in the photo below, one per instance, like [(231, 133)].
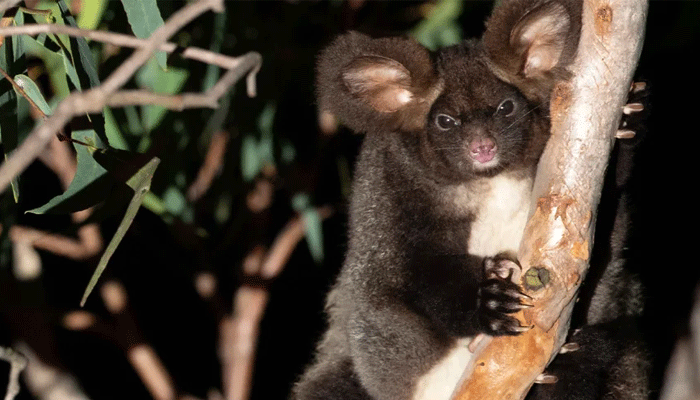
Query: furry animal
[(440, 199)]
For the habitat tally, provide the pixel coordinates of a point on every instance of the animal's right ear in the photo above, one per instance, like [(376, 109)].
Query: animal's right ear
[(377, 84)]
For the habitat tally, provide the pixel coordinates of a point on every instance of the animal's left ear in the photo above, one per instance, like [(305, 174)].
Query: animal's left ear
[(531, 43)]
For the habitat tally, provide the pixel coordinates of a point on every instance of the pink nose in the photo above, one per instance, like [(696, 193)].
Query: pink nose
[(482, 149)]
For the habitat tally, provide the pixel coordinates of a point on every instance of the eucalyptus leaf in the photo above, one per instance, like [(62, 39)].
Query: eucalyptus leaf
[(174, 200), (431, 31), (313, 232), (140, 182), (250, 160), (144, 18), (55, 64), (12, 61), (91, 13), (32, 91), (114, 134), (86, 68), (154, 78), (91, 183)]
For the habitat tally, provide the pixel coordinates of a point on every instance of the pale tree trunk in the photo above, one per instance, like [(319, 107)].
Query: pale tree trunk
[(558, 238)]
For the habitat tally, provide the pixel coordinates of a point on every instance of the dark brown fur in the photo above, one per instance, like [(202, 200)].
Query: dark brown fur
[(411, 286)]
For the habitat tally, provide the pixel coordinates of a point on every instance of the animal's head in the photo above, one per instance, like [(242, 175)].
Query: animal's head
[(477, 107)]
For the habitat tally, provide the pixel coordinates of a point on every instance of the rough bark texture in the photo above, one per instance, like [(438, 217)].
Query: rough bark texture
[(558, 237)]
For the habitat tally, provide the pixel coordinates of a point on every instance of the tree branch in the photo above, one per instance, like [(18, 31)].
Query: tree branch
[(17, 363), (95, 99), (239, 332), (558, 237)]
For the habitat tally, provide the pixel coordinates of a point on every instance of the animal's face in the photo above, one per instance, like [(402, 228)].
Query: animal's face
[(478, 107), (478, 125)]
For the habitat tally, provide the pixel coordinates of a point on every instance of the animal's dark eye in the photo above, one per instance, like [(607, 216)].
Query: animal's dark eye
[(445, 122), (506, 108)]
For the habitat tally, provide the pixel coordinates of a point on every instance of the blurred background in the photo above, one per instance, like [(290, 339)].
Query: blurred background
[(261, 184)]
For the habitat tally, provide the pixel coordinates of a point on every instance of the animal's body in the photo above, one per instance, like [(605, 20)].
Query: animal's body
[(440, 200)]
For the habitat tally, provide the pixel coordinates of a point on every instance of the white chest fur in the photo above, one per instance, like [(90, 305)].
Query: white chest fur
[(500, 217), (501, 206), (441, 381)]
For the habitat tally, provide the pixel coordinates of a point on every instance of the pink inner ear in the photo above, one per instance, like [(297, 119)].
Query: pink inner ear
[(390, 100), (541, 38), (381, 82), (540, 58)]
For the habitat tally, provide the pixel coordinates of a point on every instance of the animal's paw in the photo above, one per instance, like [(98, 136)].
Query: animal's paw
[(499, 298), (635, 112)]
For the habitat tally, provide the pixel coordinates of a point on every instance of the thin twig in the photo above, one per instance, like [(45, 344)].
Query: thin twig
[(212, 164), (121, 40), (17, 363), (95, 99), (239, 333)]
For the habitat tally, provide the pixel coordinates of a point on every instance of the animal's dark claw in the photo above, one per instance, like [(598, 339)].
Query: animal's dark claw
[(499, 297)]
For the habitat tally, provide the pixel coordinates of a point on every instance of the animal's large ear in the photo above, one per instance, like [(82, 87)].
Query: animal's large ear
[(377, 84), (531, 43)]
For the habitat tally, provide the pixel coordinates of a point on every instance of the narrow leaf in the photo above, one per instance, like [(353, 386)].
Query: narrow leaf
[(250, 160), (156, 79), (13, 62), (86, 68), (141, 183), (144, 18), (91, 183), (314, 234), (32, 91)]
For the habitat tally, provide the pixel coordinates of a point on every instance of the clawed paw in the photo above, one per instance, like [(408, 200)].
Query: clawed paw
[(633, 117), (499, 297)]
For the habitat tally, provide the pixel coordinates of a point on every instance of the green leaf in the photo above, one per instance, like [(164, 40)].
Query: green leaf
[(116, 138), (86, 69), (144, 18), (91, 184), (32, 91), (80, 51), (154, 204), (174, 200), (440, 27), (12, 61), (250, 160), (141, 183), (313, 230), (55, 65), (154, 78), (314, 233), (91, 13)]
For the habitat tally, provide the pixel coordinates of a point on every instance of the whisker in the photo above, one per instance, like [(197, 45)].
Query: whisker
[(519, 119)]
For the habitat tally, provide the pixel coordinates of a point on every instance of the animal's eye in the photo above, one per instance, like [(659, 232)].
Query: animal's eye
[(445, 122), (506, 108)]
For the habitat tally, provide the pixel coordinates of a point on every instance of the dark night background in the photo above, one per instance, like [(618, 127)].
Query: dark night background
[(157, 260)]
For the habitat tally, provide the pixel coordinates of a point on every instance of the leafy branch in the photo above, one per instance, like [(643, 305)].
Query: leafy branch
[(93, 100)]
